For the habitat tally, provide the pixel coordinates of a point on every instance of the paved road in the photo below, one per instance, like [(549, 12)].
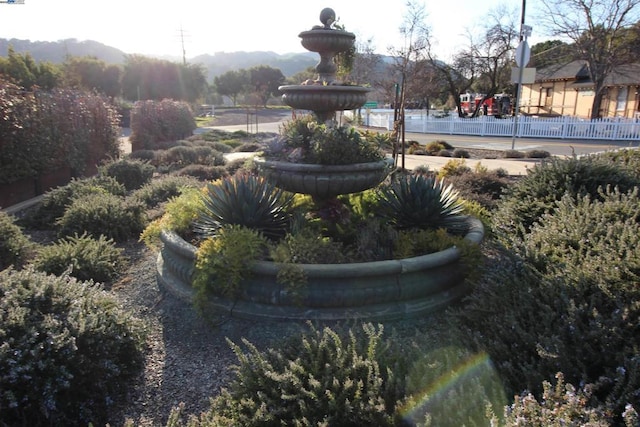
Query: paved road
[(557, 147)]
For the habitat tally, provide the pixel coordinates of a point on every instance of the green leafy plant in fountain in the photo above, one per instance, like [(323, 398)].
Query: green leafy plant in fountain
[(306, 141), (416, 201), (83, 257), (223, 261), (245, 200), (180, 213), (68, 352)]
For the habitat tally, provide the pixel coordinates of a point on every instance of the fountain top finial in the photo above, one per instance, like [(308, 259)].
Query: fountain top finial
[(327, 17)]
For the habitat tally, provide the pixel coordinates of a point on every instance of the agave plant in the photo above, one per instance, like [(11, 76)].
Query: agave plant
[(417, 201), (245, 200)]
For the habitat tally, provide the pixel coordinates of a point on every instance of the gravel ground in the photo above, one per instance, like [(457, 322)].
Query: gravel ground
[(189, 358)]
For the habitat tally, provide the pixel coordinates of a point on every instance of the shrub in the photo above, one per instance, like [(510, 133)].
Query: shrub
[(453, 167), (513, 154), (460, 153), (434, 147), (56, 201), (14, 245), (160, 190), (180, 213), (572, 292), (560, 405), (67, 352), (105, 214), (87, 258), (203, 172), (155, 122), (147, 156), (319, 379), (417, 201), (537, 154), (537, 192), (248, 147), (443, 153), (485, 188), (306, 247), (222, 262), (245, 200), (132, 174), (236, 165)]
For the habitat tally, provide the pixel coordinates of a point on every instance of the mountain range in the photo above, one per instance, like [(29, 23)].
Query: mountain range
[(215, 64)]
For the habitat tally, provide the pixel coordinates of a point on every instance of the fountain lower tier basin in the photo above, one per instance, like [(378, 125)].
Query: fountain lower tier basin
[(380, 290), (324, 181), (324, 98)]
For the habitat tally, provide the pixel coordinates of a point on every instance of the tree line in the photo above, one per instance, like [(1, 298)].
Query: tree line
[(603, 34)]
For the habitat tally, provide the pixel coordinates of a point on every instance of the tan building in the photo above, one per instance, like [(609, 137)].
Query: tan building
[(567, 90)]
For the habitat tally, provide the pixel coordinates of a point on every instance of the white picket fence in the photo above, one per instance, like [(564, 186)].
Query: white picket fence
[(616, 128)]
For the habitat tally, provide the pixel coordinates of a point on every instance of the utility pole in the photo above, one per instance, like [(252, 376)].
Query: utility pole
[(522, 58), (184, 52)]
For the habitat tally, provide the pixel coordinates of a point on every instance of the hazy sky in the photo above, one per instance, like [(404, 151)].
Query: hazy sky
[(146, 27)]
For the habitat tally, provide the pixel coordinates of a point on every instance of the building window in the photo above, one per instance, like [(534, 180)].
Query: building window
[(621, 100)]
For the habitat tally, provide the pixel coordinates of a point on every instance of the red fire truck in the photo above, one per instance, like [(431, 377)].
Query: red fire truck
[(498, 105)]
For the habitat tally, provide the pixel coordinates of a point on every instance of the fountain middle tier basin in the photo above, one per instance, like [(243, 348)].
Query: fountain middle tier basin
[(324, 98)]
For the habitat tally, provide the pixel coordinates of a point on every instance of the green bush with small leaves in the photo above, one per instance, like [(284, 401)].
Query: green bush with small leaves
[(536, 193), (319, 379), (203, 172), (103, 214), (568, 301), (68, 353), (453, 168), (486, 188), (162, 189), (56, 201), (84, 257), (14, 244), (131, 173), (223, 261)]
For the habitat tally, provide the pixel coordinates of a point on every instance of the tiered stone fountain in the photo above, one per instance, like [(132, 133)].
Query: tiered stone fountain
[(377, 290), (324, 96)]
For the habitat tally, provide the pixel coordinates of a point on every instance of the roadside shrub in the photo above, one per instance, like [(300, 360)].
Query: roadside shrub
[(537, 192), (87, 258), (460, 153), (162, 189), (55, 202), (203, 172), (537, 154), (97, 214), (572, 292), (132, 174), (453, 167), (434, 147), (14, 244), (513, 154), (443, 153), (67, 352)]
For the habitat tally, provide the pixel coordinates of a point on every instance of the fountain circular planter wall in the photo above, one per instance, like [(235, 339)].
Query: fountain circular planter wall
[(380, 290)]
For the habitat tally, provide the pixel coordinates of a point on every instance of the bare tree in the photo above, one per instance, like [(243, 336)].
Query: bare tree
[(416, 34), (485, 65), (598, 30)]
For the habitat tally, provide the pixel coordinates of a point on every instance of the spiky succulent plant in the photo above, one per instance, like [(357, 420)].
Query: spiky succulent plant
[(416, 201), (245, 200)]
